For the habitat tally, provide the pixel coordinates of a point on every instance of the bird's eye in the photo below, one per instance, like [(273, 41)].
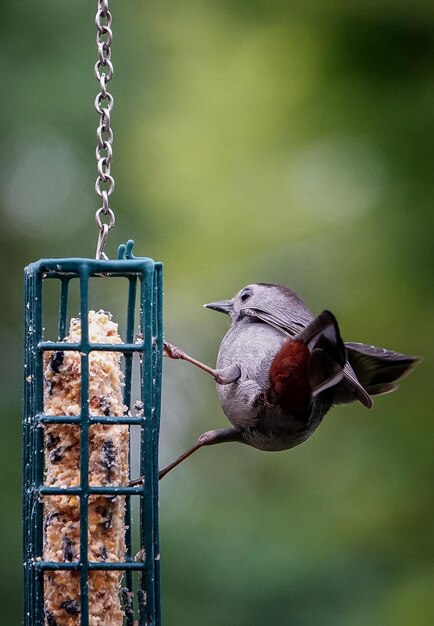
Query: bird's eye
[(245, 296)]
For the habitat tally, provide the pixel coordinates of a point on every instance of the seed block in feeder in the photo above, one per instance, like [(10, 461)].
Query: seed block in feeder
[(108, 466)]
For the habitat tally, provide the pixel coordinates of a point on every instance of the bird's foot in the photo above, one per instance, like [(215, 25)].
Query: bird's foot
[(137, 482), (172, 351), (223, 376)]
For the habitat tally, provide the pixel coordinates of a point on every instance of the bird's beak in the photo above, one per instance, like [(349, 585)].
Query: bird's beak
[(224, 306)]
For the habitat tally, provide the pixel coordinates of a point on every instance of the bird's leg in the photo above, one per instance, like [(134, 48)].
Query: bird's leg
[(222, 376), (210, 438)]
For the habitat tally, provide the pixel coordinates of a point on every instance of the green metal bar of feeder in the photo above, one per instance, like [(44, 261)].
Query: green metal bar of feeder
[(97, 347), (56, 268), (38, 507), (92, 565), (132, 293), (84, 448), (97, 419), (28, 482), (101, 491), (157, 332), (147, 581)]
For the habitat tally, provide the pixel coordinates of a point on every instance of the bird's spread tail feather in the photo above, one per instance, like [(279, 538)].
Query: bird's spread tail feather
[(378, 370)]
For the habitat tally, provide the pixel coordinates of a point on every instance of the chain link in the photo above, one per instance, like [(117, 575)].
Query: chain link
[(105, 184)]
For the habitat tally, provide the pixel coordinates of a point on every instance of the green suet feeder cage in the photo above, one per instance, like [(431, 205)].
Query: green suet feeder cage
[(91, 556), (145, 275)]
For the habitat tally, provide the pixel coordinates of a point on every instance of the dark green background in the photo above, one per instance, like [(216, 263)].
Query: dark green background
[(254, 140)]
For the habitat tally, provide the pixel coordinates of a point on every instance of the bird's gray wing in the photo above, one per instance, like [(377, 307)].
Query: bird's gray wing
[(289, 322), (292, 322), (329, 364)]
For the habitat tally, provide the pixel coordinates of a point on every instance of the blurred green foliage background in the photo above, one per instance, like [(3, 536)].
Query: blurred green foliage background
[(282, 141)]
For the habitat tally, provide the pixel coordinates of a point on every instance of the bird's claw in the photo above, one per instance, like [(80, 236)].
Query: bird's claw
[(137, 482), (171, 351), (140, 557)]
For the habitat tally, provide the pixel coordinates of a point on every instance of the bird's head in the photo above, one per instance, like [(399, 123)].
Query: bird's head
[(265, 297)]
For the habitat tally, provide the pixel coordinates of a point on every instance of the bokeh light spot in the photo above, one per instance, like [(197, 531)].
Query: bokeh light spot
[(336, 178), (42, 190)]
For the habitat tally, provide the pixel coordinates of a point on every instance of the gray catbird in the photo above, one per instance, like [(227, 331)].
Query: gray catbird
[(280, 369)]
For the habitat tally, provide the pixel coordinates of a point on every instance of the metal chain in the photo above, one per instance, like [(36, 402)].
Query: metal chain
[(105, 184)]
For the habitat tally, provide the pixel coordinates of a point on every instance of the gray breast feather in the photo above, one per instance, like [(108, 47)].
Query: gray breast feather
[(239, 402), (252, 346)]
